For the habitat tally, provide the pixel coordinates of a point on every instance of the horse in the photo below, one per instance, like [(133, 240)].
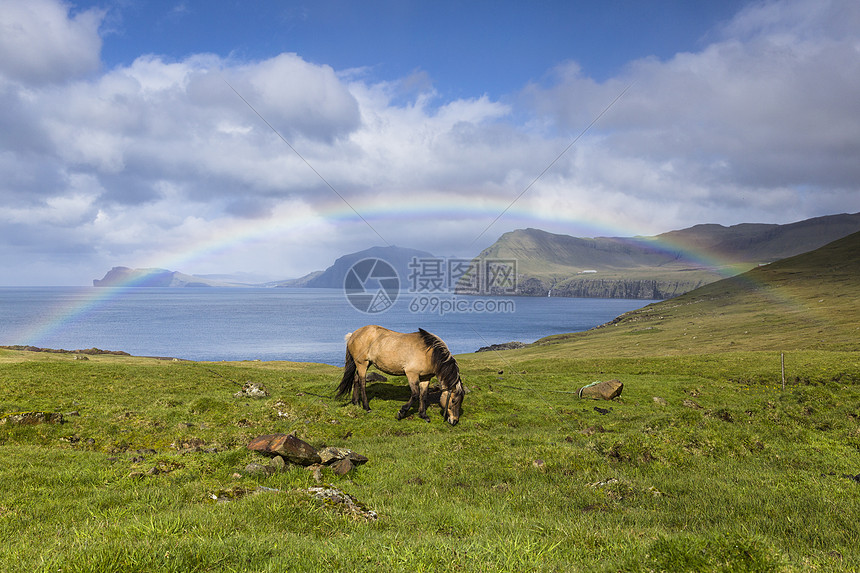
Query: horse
[(417, 355)]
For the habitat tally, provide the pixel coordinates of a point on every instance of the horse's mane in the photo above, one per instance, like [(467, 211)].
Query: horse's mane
[(447, 370)]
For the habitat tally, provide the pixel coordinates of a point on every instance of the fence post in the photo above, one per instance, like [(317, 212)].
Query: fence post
[(782, 360)]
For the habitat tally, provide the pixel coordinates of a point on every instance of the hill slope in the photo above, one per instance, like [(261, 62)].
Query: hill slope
[(398, 257), (127, 277), (808, 301), (662, 266)]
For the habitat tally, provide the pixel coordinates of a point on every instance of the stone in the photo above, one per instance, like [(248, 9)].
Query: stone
[(658, 400), (278, 464), (691, 404), (342, 501), (252, 390), (503, 346), (33, 418), (342, 467), (292, 448), (375, 377), (316, 472), (332, 454), (255, 468), (605, 390)]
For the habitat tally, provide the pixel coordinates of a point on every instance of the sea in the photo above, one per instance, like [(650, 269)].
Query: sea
[(296, 324)]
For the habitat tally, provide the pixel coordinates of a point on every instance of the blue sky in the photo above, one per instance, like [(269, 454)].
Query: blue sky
[(467, 48), (141, 133)]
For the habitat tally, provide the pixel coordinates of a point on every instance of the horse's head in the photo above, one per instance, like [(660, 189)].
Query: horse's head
[(452, 403)]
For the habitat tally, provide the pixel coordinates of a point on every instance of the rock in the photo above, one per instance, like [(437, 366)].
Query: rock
[(80, 357), (691, 404), (375, 377), (33, 418), (504, 346), (606, 390), (342, 467), (226, 495), (252, 390), (316, 471), (342, 501), (287, 445), (255, 468), (539, 464), (658, 400), (602, 411), (278, 464), (332, 454)]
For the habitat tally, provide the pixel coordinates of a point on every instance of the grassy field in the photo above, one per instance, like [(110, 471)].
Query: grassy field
[(705, 463)]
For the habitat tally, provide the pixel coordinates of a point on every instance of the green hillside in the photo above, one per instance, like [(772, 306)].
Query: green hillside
[(662, 266), (809, 301)]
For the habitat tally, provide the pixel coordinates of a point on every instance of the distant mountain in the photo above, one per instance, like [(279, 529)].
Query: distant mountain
[(808, 301), (333, 276), (662, 266), (299, 282), (124, 276)]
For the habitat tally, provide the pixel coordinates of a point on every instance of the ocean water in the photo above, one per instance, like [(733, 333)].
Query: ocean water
[(305, 325)]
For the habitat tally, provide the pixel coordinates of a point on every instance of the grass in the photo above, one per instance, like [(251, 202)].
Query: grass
[(531, 479), (705, 463)]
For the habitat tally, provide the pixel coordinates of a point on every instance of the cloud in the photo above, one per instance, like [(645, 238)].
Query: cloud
[(161, 162), (773, 103), (41, 42)]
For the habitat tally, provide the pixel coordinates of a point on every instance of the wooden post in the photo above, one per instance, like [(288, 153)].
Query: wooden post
[(782, 360)]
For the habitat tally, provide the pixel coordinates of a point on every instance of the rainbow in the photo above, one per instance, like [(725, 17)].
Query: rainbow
[(379, 212)]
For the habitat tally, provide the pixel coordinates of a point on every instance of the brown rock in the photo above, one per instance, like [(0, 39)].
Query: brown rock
[(606, 390), (292, 448), (342, 467), (691, 404)]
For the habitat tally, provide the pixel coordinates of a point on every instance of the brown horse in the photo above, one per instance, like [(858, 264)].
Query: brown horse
[(417, 355)]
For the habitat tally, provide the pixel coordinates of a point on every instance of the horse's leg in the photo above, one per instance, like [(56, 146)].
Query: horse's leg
[(422, 408), (413, 387), (359, 388)]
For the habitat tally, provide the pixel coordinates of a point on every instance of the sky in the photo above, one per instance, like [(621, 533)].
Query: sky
[(270, 137)]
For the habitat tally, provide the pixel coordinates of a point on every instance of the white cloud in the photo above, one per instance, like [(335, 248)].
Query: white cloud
[(41, 42)]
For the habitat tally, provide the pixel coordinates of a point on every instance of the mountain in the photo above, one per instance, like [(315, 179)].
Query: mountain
[(333, 277), (804, 302), (124, 276), (658, 267)]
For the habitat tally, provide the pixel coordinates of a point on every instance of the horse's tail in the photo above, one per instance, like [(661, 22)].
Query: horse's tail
[(348, 375)]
